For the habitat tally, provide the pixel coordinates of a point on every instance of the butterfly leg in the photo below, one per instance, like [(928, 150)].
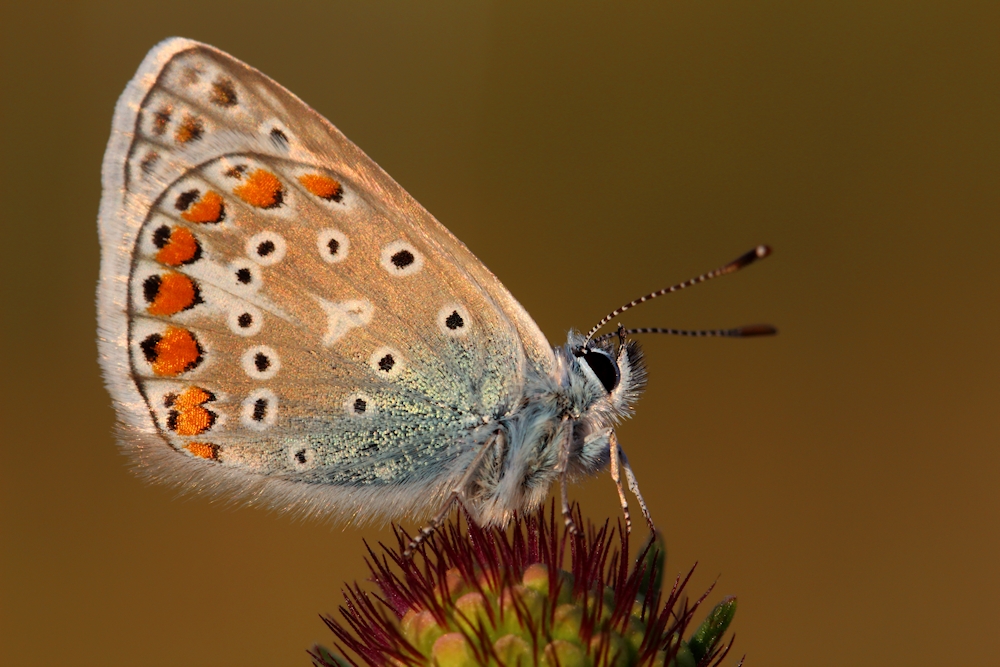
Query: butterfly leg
[(456, 496), (633, 485), (564, 446), (616, 477)]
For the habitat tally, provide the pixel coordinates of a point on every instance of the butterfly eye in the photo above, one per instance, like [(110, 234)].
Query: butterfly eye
[(266, 248), (400, 258), (604, 367), (260, 362), (259, 410), (333, 245)]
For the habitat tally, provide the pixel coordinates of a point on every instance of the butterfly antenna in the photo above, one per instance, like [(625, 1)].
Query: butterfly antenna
[(739, 332), (743, 260)]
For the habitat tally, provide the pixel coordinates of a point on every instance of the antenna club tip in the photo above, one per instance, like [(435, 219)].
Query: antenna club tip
[(763, 251), (757, 330)]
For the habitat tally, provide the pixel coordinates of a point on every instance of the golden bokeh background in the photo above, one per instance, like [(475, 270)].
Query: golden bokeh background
[(842, 478)]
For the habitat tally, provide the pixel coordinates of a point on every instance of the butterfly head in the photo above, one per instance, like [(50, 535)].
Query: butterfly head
[(613, 374), (620, 371)]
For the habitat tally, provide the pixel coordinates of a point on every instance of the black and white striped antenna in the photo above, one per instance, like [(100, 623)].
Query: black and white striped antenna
[(746, 331), (746, 259)]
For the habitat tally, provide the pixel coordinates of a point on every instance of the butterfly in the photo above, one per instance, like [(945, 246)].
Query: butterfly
[(280, 322)]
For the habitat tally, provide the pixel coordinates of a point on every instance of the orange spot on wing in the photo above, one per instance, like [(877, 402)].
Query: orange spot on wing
[(188, 416), (181, 248), (209, 208), (322, 186), (261, 189), (223, 93), (192, 397), (177, 292), (176, 351), (190, 130), (204, 450)]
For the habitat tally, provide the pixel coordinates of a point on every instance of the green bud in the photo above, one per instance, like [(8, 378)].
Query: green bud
[(706, 637), (452, 650), (512, 650), (565, 587), (456, 583), (536, 577), (473, 611), (635, 632), (618, 651), (456, 613), (421, 630), (329, 657), (561, 653), (566, 622), (684, 658)]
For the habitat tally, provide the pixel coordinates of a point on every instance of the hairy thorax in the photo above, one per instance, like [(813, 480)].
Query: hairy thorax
[(567, 422)]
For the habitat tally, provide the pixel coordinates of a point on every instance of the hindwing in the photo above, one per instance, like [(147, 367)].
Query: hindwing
[(277, 316)]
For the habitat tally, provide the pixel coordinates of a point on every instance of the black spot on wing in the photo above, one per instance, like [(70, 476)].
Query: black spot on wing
[(402, 259)]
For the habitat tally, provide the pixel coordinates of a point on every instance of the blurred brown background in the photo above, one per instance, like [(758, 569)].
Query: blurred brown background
[(842, 477)]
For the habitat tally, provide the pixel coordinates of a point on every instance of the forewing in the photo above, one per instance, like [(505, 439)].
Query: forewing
[(277, 316)]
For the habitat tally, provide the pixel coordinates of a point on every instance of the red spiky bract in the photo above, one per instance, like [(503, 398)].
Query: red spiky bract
[(491, 561)]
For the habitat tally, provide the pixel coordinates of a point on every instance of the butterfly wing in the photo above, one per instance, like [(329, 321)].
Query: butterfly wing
[(278, 319)]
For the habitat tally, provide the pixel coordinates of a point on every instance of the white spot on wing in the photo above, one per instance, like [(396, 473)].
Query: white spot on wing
[(333, 245), (400, 258), (244, 277), (278, 134), (260, 362), (387, 362), (453, 320), (344, 316), (266, 248), (302, 458), (260, 409), (359, 404), (245, 320)]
